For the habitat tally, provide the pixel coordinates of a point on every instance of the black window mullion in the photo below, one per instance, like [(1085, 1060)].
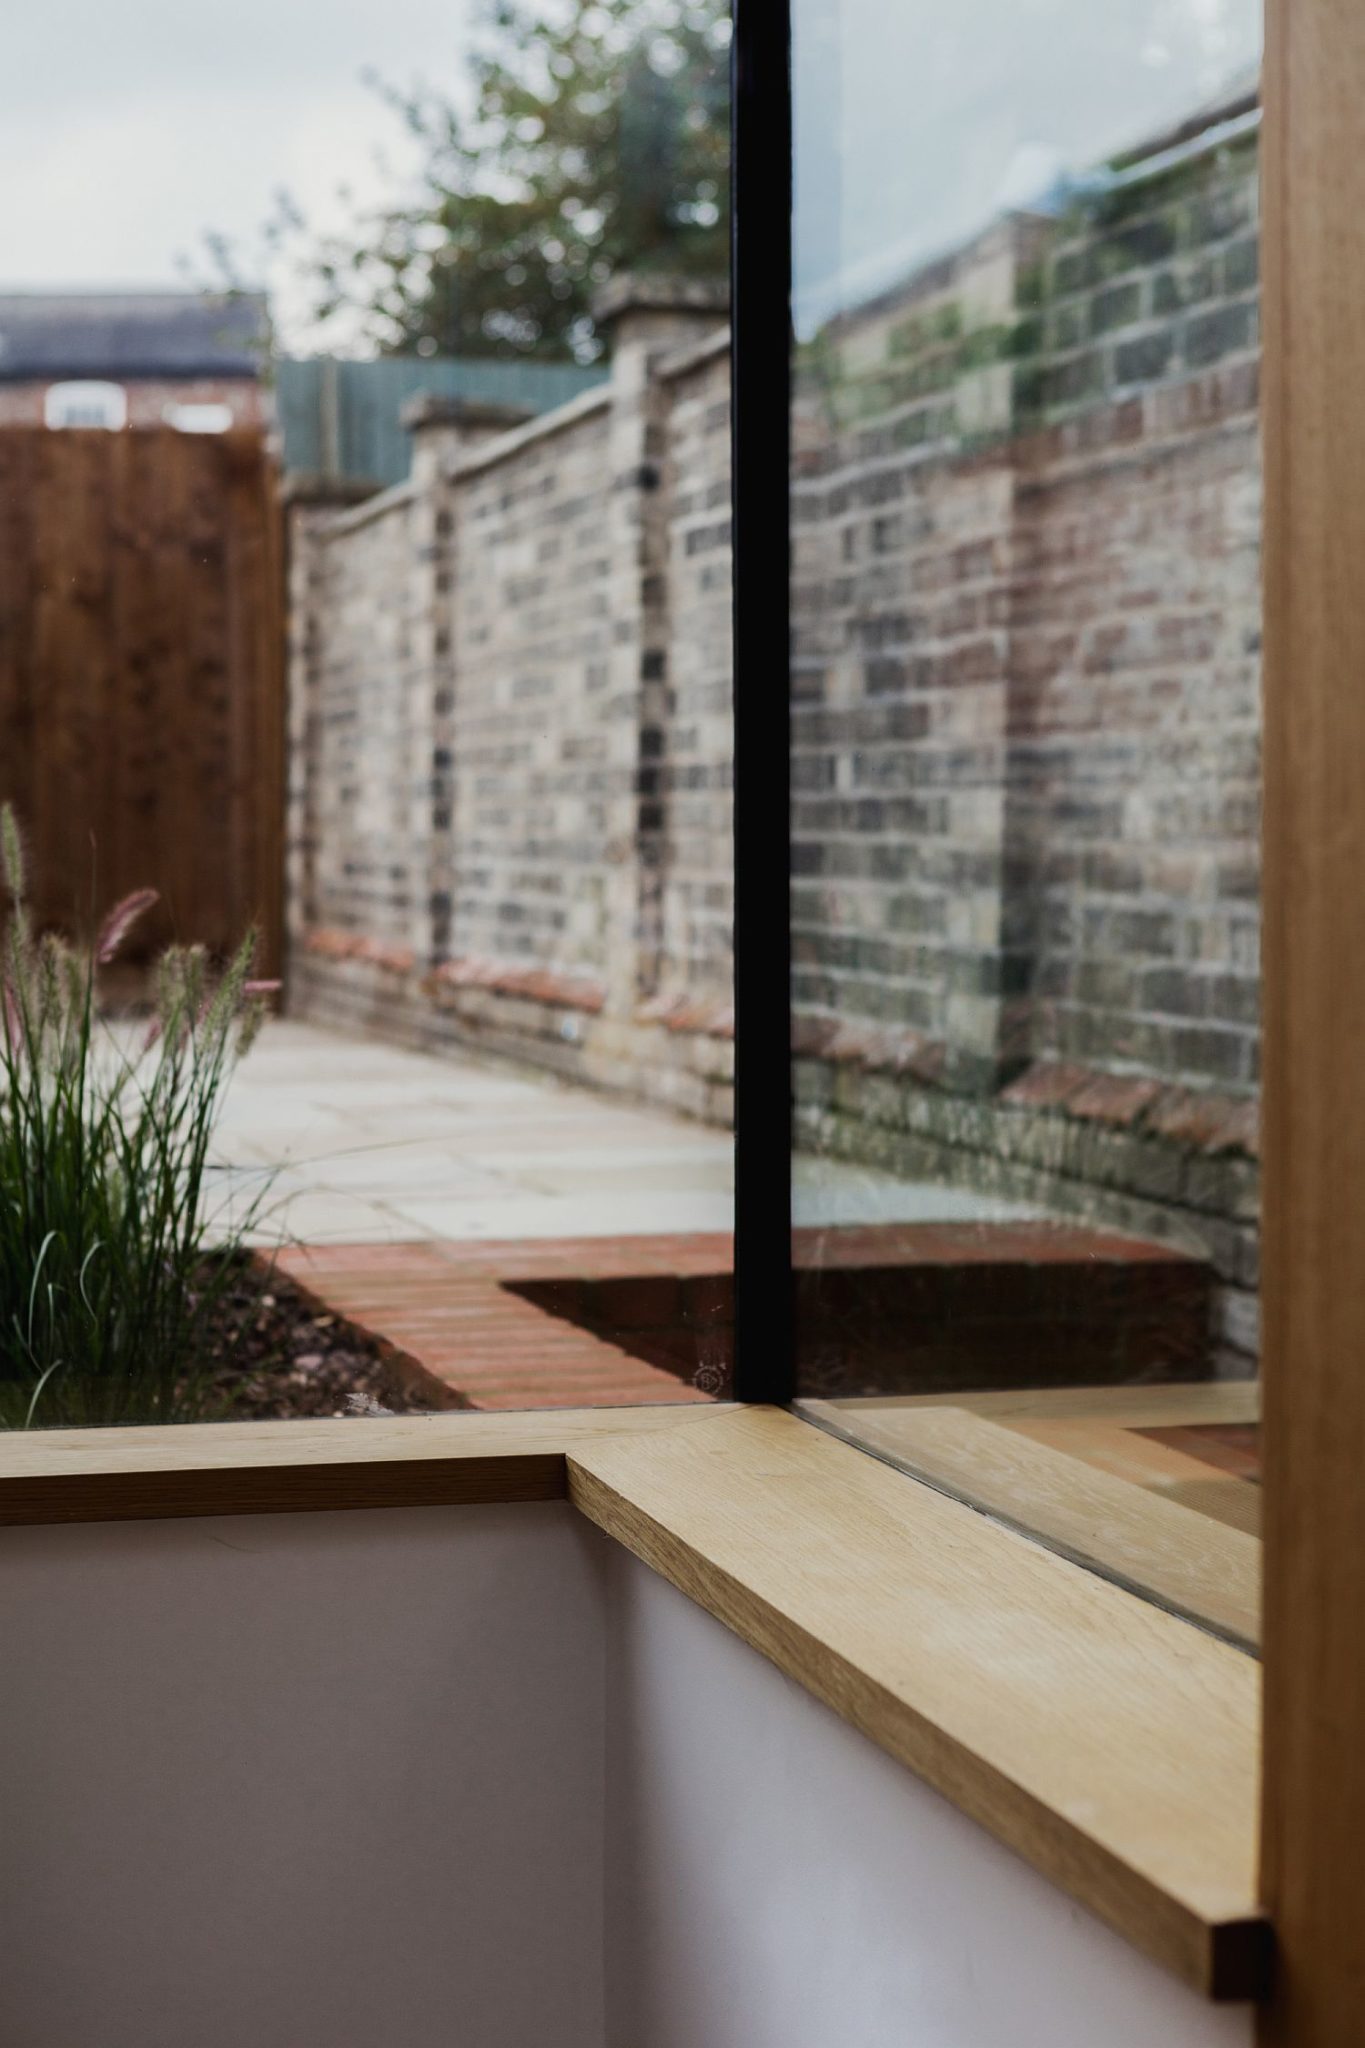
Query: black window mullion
[(760, 429)]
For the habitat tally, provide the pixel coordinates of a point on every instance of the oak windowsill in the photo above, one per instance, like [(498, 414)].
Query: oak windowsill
[(1064, 1466)]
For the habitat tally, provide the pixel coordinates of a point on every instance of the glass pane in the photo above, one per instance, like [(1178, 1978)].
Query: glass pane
[(1025, 712), (365, 576)]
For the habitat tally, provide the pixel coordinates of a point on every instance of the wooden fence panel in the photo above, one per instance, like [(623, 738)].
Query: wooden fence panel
[(141, 676)]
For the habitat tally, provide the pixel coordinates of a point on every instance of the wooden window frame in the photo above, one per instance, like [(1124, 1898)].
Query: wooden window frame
[(1313, 1098)]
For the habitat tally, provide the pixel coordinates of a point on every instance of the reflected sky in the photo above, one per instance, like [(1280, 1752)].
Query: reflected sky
[(916, 121)]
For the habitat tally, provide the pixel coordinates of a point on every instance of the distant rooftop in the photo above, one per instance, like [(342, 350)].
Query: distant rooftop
[(123, 335)]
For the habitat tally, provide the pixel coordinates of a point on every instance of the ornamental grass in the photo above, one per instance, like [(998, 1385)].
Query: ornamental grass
[(114, 1254)]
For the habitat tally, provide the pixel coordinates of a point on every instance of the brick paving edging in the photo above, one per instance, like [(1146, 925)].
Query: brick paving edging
[(457, 1335), (607, 1321)]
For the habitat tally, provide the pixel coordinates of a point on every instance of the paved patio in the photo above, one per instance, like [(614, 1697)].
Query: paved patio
[(347, 1141), (516, 1242), (413, 1194)]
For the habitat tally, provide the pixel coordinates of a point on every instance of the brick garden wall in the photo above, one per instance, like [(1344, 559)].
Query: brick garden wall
[(687, 770), (509, 813), (371, 706), (1024, 710)]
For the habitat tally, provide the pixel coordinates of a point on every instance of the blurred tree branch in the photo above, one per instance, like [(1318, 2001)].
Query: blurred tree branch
[(594, 138)]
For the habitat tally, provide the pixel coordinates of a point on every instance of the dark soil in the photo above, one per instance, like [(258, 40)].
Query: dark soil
[(280, 1359)]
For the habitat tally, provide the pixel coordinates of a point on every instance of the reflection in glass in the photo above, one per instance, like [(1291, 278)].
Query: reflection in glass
[(1024, 849)]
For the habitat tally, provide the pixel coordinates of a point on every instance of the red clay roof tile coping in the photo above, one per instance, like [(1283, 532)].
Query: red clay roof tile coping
[(711, 1016), (882, 1049), (1198, 1120), (565, 991), (332, 944)]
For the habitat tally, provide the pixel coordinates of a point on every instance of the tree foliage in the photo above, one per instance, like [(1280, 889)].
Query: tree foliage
[(591, 139)]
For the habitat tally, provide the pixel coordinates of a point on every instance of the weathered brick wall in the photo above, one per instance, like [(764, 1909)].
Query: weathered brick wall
[(1134, 719), (1027, 719), (541, 754), (511, 825), (687, 766), (902, 529), (372, 731)]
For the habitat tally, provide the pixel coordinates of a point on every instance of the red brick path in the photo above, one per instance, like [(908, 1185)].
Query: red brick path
[(607, 1321), (458, 1335)]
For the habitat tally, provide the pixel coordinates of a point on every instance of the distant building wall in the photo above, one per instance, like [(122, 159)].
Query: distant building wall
[(149, 400), (1024, 713)]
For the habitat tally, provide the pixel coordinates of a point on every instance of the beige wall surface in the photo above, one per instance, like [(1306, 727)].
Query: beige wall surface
[(313, 1781), (476, 1776)]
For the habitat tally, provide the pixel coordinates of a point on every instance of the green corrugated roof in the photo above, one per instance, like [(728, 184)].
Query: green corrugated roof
[(342, 418)]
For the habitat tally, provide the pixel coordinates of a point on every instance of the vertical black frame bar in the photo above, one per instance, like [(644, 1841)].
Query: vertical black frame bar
[(760, 450)]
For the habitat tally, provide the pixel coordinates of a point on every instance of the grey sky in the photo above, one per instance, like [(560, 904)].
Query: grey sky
[(127, 127)]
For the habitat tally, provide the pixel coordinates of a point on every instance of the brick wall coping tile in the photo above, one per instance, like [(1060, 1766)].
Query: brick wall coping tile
[(694, 354), (1197, 1120), (880, 1049), (1207, 1123), (395, 499), (449, 409), (1047, 1084), (338, 945), (488, 454), (566, 991), (312, 488), (1114, 1098), (711, 1017), (636, 291)]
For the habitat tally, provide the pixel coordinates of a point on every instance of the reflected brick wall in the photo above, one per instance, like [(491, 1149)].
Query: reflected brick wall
[(1028, 623)]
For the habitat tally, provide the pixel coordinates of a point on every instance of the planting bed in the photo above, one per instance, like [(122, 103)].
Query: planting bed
[(281, 1358)]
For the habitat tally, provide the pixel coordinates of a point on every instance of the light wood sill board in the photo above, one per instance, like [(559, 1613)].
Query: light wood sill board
[(1108, 1742)]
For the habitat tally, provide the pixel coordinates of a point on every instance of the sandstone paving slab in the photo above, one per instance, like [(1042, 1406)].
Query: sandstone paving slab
[(387, 1143)]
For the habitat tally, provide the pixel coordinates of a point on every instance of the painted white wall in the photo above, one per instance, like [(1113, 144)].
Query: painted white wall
[(366, 1780), (774, 1881), (310, 1781)]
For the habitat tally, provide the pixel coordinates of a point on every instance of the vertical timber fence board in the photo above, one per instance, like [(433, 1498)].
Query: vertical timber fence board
[(141, 685)]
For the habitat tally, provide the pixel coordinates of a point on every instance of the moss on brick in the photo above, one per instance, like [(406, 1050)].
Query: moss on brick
[(1118, 306)]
